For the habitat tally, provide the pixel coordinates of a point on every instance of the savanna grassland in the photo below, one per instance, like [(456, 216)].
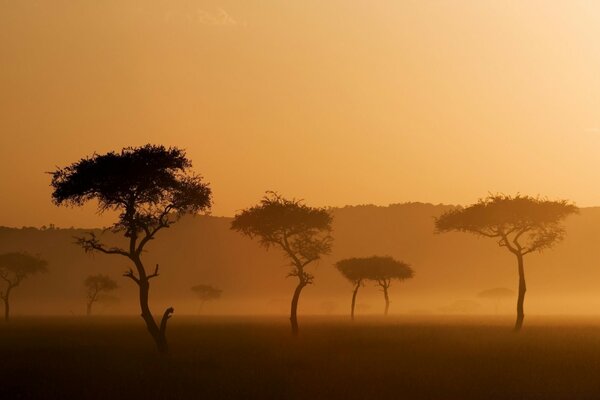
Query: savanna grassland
[(257, 358)]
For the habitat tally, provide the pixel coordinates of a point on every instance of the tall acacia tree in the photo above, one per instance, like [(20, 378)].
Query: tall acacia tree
[(303, 233), (14, 268), (356, 271), (384, 270), (150, 187), (521, 224), (95, 287)]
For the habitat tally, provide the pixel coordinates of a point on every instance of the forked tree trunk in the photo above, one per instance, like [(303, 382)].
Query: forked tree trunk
[(387, 300), (157, 332), (354, 293), (521, 297), (294, 308)]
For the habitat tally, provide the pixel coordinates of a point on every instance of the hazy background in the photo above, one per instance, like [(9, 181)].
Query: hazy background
[(333, 101), (450, 269)]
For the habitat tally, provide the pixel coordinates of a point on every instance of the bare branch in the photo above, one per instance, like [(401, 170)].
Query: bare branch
[(154, 274), (131, 275), (93, 244)]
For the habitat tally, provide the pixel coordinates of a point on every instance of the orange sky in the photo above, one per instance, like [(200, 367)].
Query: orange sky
[(338, 102)]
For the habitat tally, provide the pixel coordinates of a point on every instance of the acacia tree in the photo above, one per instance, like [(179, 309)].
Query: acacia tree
[(96, 286), (14, 268), (497, 295), (206, 293), (303, 233), (356, 271), (521, 224), (383, 270), (150, 187)]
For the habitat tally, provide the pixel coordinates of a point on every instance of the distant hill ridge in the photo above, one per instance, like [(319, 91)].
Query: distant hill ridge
[(203, 249)]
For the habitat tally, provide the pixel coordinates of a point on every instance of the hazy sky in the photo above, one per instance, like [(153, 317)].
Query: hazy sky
[(337, 102)]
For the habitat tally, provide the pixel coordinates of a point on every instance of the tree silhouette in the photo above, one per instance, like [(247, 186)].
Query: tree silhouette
[(383, 270), (522, 224), (206, 293), (300, 231), (96, 286), (150, 187), (356, 270), (14, 268), (496, 294)]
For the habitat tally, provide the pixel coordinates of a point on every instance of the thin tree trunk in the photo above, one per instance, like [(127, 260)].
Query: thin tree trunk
[(6, 309), (354, 300), (521, 297), (89, 309), (294, 308), (387, 300)]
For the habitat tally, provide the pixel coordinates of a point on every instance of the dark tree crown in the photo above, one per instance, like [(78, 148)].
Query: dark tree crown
[(100, 283), (14, 267), (374, 268), (207, 292), (145, 184), (521, 223), (303, 232)]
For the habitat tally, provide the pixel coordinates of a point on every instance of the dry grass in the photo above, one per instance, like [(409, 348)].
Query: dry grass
[(214, 358)]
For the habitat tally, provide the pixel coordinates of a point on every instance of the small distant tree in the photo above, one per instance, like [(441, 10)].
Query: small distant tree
[(303, 233), (497, 295), (206, 293), (356, 270), (97, 286), (14, 268), (150, 187), (521, 224), (384, 270)]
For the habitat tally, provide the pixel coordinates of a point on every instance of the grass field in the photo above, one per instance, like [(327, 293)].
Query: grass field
[(255, 358)]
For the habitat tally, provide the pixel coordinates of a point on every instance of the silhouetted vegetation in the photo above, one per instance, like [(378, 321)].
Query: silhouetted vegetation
[(150, 187), (522, 224), (206, 293), (14, 268), (302, 232), (97, 286), (384, 270), (356, 270)]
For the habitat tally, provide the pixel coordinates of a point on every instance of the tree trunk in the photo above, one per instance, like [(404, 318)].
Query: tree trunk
[(354, 300), (157, 333), (89, 309), (294, 308), (6, 308), (387, 300), (521, 297)]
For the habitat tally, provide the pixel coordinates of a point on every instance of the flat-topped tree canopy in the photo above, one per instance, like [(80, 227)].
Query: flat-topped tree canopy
[(353, 269), (374, 268), (14, 266), (207, 292), (386, 268), (303, 233), (299, 229), (146, 184), (521, 223)]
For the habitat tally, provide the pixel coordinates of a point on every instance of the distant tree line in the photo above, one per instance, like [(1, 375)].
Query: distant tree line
[(151, 187)]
